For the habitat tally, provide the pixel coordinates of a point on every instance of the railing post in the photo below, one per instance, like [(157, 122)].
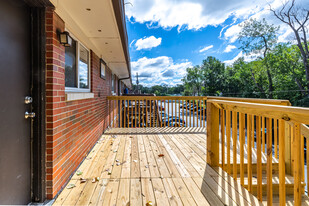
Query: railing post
[(212, 135)]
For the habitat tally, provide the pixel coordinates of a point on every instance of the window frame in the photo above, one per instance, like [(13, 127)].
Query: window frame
[(77, 53)]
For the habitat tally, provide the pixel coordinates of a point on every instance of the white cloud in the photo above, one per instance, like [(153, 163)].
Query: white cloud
[(147, 42), (284, 33), (247, 58), (206, 48), (229, 48), (231, 33), (190, 14), (153, 71)]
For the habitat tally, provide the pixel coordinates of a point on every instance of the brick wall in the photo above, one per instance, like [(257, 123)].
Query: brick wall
[(72, 127)]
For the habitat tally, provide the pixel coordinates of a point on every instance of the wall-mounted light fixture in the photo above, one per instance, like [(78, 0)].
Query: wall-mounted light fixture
[(65, 39)]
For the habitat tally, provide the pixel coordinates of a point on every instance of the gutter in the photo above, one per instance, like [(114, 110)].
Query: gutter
[(119, 12)]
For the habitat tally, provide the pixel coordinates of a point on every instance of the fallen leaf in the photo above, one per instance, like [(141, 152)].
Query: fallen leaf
[(97, 178), (82, 180), (161, 155), (79, 172), (134, 160), (70, 186), (131, 137), (149, 203), (93, 180)]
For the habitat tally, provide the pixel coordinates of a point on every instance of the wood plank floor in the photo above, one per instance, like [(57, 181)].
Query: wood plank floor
[(165, 166)]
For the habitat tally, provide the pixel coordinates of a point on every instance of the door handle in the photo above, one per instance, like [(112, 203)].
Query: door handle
[(29, 115)]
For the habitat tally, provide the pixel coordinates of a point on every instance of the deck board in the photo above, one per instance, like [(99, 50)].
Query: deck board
[(180, 177)]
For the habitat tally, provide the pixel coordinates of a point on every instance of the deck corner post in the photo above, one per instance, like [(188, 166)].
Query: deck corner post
[(212, 135)]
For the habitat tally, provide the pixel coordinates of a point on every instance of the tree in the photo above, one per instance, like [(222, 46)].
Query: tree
[(259, 37), (213, 76), (297, 19), (193, 80)]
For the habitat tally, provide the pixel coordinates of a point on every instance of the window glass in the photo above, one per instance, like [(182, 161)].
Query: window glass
[(70, 65), (113, 82), (83, 68)]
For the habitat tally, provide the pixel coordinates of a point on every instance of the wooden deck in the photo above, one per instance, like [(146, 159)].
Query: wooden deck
[(165, 166)]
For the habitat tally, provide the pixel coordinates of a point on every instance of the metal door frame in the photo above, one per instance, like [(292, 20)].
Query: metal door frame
[(38, 90)]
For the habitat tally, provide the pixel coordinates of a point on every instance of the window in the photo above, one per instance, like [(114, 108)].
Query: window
[(113, 83), (77, 68)]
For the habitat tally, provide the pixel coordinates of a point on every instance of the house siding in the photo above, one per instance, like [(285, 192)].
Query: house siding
[(73, 127)]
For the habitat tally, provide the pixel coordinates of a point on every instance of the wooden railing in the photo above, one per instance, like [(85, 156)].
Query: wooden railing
[(157, 111), (242, 130)]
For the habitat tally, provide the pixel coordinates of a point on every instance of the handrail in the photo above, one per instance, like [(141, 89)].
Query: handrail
[(293, 114), (253, 100), (253, 122)]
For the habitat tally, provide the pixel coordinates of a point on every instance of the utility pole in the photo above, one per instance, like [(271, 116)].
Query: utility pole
[(137, 83)]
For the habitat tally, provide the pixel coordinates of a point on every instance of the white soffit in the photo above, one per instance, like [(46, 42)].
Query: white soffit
[(97, 22)]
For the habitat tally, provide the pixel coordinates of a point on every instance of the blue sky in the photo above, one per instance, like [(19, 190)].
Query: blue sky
[(167, 36)]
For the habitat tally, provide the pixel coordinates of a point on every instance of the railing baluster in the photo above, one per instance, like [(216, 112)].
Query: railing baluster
[(160, 112), (151, 113), (302, 159), (282, 163), (263, 134), (307, 161), (125, 113), (132, 114), (193, 113), (276, 138), (297, 161), (196, 114), (269, 161), (190, 112), (228, 140), (241, 145), (172, 107), (135, 113), (139, 113), (147, 101), (222, 140), (234, 134), (201, 124), (204, 112), (168, 114), (183, 115), (179, 113), (249, 160), (109, 113), (259, 158), (121, 114)]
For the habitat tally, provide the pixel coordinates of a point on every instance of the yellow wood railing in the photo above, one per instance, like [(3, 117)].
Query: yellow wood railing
[(241, 130), (157, 111)]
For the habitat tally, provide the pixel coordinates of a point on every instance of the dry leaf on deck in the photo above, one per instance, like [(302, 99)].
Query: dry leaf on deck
[(149, 203), (70, 186), (79, 172), (161, 155), (82, 180)]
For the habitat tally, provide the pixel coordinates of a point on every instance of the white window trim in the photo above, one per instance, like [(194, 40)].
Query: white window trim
[(74, 89)]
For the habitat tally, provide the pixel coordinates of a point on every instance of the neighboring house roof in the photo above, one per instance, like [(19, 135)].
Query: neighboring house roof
[(100, 26)]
